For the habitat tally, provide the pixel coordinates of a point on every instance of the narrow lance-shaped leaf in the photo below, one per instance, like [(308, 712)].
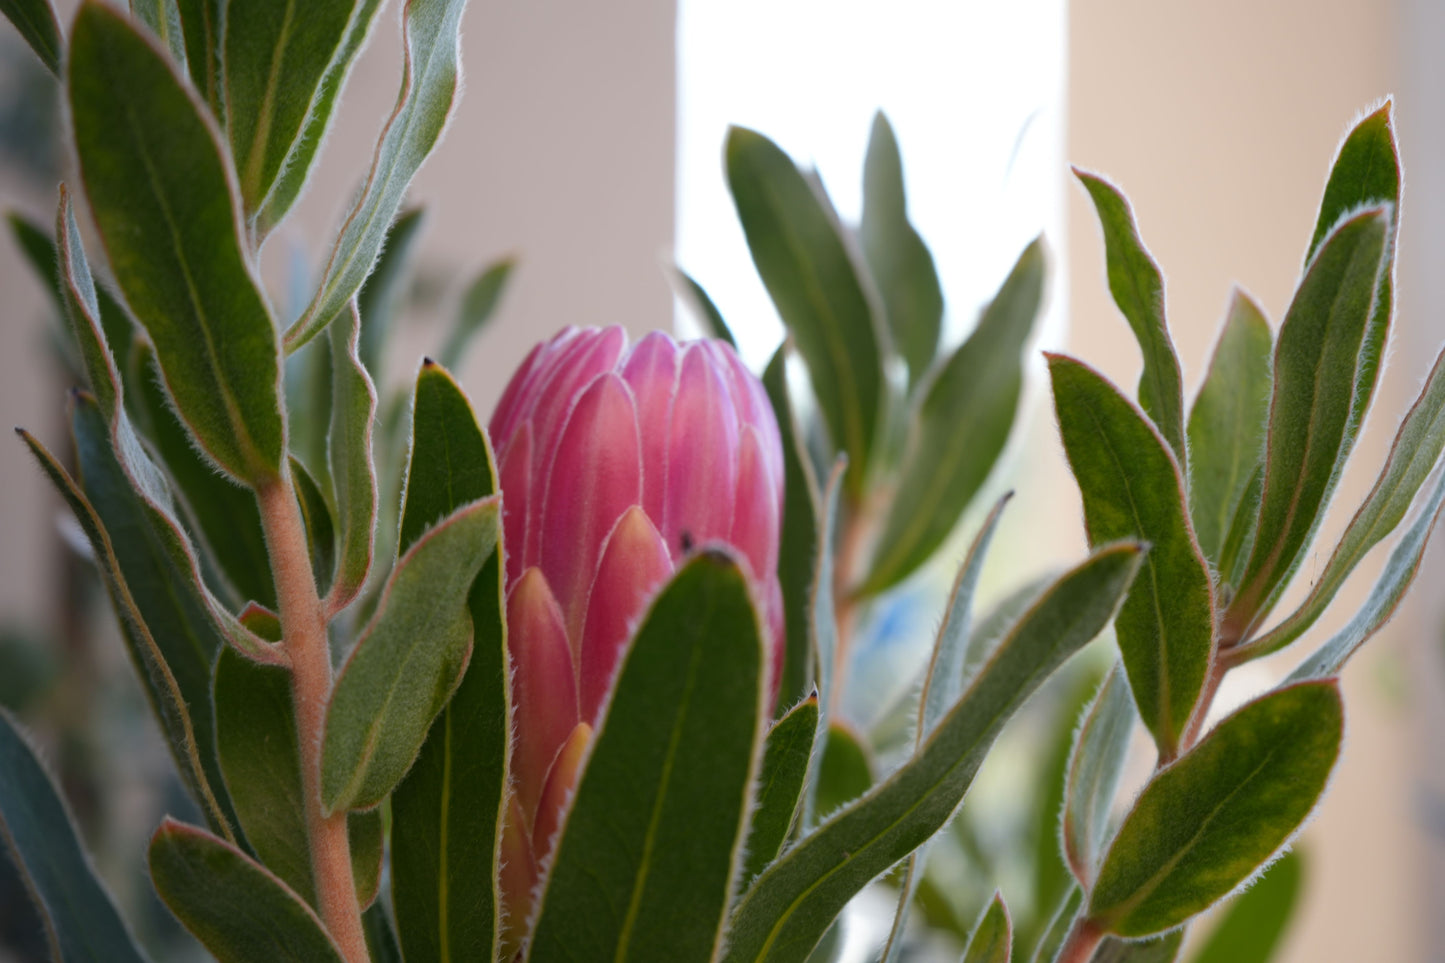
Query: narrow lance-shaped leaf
[(1253, 924), (1131, 488), (320, 527), (1160, 949), (238, 910), (702, 304), (407, 662), (1310, 428), (276, 54), (447, 812), (429, 87), (897, 257), (78, 295), (1138, 289), (786, 910), (81, 921), (992, 938), (649, 852), (962, 427), (163, 17), (349, 450), (476, 310), (1058, 927), (35, 19), (846, 770), (1095, 765), (823, 634), (806, 267), (780, 784), (1206, 824), (201, 28), (166, 208), (1227, 425), (380, 296)]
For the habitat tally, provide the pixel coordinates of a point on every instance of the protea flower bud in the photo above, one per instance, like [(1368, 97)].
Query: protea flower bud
[(615, 463)]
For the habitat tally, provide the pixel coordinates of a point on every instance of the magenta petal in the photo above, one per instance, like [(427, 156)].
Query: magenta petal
[(755, 408), (651, 373), (702, 465), (509, 408), (596, 476), (755, 516), (544, 686), (590, 354), (515, 474), (634, 565)]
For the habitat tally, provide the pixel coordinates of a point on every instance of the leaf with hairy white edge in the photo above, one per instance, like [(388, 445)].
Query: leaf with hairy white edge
[(163, 17), (349, 449), (942, 684), (1095, 764), (78, 295), (430, 78), (963, 424), (447, 813), (702, 304), (847, 770), (381, 294), (476, 309), (1227, 424), (1058, 927), (165, 205), (780, 786), (407, 662), (276, 54), (1206, 824), (1384, 598), (787, 909), (35, 19), (798, 541), (36, 828), (238, 910), (1310, 424), (992, 938), (1131, 488), (804, 262), (650, 849), (823, 635), (201, 30), (1253, 923), (1413, 456), (1138, 290), (1161, 949), (897, 257)]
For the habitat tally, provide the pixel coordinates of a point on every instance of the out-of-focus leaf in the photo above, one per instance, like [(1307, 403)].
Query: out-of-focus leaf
[(1059, 925), (780, 784), (1254, 922), (353, 472), (276, 54), (381, 294), (707, 312), (237, 909), (803, 261), (787, 909), (35, 19), (165, 205), (897, 257), (651, 846), (992, 939), (1138, 290), (39, 250), (1311, 428), (407, 662), (1132, 488), (478, 305), (1207, 823), (846, 771), (381, 940), (1161, 949), (431, 33), (447, 812), (163, 17), (799, 538), (1095, 765), (367, 836), (201, 27), (1226, 425), (81, 921), (823, 635), (320, 528), (963, 424)]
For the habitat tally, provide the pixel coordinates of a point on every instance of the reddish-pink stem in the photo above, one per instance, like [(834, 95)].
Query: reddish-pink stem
[(1084, 937)]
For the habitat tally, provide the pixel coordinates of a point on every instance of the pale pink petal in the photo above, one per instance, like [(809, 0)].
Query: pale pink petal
[(561, 780), (651, 372), (515, 473), (635, 563), (755, 515), (544, 686), (590, 354), (518, 879), (702, 465), (756, 409)]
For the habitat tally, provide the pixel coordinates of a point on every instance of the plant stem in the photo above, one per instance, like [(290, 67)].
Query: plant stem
[(303, 633), (1084, 937)]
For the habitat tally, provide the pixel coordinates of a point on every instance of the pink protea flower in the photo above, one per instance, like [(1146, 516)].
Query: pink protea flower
[(615, 463)]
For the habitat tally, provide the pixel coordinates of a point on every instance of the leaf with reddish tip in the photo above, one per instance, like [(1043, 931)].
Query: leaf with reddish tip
[(992, 938)]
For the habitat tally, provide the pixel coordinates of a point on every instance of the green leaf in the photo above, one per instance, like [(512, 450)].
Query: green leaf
[(431, 33), (201, 28), (786, 910), (846, 769), (802, 258), (897, 257), (1132, 488), (992, 939), (320, 528), (478, 305), (780, 785), (381, 940), (1311, 428), (80, 305), (381, 293), (37, 830), (1059, 925), (707, 312), (1161, 949), (353, 472), (293, 177), (823, 635), (1138, 289), (163, 17), (1413, 456), (447, 812), (1206, 824), (366, 833), (165, 205), (650, 849), (798, 539), (1254, 922), (1395, 579), (39, 251), (237, 909), (1227, 423), (407, 662), (1095, 765), (276, 54), (35, 19), (962, 426)]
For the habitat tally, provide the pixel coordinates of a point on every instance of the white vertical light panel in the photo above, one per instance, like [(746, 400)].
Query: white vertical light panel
[(975, 93)]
